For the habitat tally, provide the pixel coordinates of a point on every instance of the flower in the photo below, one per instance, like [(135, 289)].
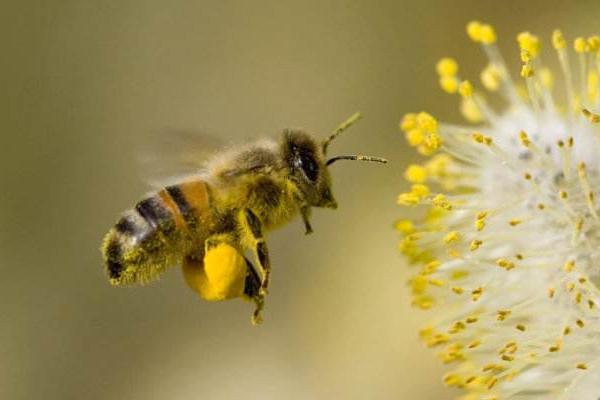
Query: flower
[(508, 250)]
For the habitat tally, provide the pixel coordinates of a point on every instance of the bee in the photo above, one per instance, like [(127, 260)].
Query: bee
[(209, 222)]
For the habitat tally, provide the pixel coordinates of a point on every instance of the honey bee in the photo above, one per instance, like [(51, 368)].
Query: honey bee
[(210, 221)]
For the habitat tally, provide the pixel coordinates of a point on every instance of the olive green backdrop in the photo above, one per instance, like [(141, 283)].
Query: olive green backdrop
[(83, 83)]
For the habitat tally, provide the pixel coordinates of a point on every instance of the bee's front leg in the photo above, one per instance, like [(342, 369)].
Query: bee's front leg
[(305, 211)]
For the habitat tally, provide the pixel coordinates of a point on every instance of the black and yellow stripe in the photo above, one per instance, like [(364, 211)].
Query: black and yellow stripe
[(148, 237)]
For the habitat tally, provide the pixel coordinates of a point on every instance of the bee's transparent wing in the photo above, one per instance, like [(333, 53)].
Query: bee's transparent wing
[(171, 155)]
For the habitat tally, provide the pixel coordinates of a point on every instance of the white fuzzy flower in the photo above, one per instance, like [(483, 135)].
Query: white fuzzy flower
[(509, 253)]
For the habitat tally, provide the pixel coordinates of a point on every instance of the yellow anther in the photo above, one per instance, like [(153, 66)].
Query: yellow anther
[(471, 320), (409, 121), (404, 226), (437, 339), (457, 327), (506, 264), (593, 118), (474, 344), (419, 284), (465, 89), (558, 40), (415, 173), (442, 202), (551, 292), (527, 71), (452, 237), (481, 215), (415, 137), (514, 222), (449, 84), (506, 357), (476, 294), (527, 176), (491, 77), (447, 67), (567, 330), (521, 327), (582, 366), (474, 31), (519, 256), (546, 78), (433, 141), (594, 43), (430, 267), (437, 282), (475, 244), (479, 224), (458, 290), (569, 266), (427, 122), (580, 45), (591, 304), (487, 34), (492, 383), (503, 314), (529, 43), (580, 323), (524, 139), (420, 190), (563, 195), (555, 348), (482, 139)]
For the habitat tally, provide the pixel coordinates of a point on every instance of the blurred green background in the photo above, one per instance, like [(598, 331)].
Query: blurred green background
[(83, 83)]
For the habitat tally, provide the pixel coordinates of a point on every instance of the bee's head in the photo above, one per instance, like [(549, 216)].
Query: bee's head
[(306, 159), (308, 168)]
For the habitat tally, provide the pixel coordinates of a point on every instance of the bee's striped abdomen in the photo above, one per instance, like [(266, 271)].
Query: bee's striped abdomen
[(155, 233)]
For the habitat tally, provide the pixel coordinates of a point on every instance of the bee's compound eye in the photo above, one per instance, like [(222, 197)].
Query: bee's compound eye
[(309, 166)]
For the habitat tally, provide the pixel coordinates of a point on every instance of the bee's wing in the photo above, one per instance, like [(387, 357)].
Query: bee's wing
[(171, 155)]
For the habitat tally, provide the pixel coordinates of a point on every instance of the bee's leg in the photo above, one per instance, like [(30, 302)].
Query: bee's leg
[(305, 211), (258, 244), (252, 291)]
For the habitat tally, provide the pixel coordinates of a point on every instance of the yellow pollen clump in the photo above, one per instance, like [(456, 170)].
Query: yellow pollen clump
[(482, 139), (593, 118), (417, 193), (569, 266), (594, 43), (452, 237), (442, 202), (447, 67), (529, 43), (581, 45), (416, 174), (475, 244), (582, 366), (481, 33), (527, 71)]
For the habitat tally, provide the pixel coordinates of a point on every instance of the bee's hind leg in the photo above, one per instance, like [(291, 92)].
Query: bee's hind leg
[(255, 240), (252, 290)]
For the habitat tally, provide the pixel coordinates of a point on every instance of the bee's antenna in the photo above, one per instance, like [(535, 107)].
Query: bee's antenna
[(356, 157), (341, 128)]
